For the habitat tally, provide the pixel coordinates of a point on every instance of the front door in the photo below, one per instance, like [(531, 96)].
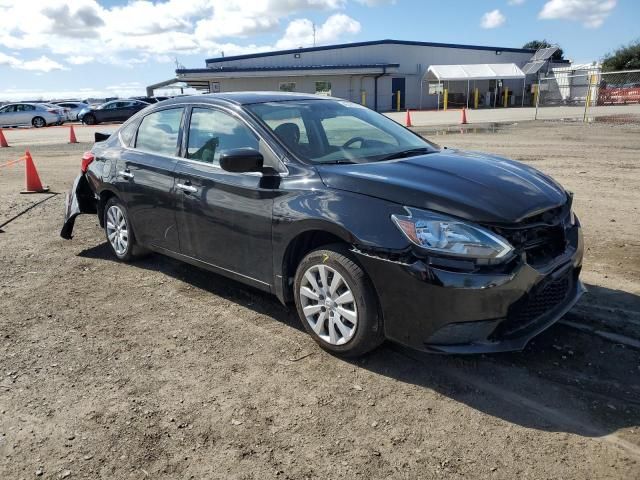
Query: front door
[(224, 218), (8, 115), (145, 176), (397, 85)]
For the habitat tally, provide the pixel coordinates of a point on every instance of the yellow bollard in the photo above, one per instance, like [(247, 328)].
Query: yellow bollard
[(535, 95), (445, 99), (364, 98), (398, 100), (476, 98), (506, 96)]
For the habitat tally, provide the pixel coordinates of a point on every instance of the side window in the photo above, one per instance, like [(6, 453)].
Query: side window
[(158, 132), (212, 132), (110, 106), (127, 133), (29, 108)]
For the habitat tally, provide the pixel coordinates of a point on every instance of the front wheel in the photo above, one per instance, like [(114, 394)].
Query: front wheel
[(89, 119), (336, 302)]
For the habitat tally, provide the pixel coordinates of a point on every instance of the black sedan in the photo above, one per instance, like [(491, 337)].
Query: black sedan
[(372, 231), (114, 111)]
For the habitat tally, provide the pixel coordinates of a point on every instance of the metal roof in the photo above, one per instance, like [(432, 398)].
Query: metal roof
[(479, 71), (366, 44), (287, 67)]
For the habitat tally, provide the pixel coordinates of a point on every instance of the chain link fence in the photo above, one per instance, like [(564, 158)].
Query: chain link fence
[(590, 94)]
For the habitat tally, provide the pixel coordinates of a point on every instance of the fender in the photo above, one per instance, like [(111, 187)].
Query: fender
[(361, 221)]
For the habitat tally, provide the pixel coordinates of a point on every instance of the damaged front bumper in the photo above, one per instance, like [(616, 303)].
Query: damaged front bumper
[(80, 199), (442, 310)]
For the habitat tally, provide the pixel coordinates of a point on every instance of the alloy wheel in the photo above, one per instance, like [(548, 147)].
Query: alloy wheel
[(328, 304), (117, 231)]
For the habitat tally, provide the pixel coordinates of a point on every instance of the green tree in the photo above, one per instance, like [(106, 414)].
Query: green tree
[(624, 58), (538, 44)]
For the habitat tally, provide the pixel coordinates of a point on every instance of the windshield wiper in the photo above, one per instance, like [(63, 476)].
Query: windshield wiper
[(337, 162), (406, 153)]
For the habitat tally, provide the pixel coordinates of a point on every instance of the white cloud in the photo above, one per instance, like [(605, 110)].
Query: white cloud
[(515, 2), (42, 64), (79, 59), (492, 19), (299, 33), (84, 31), (591, 13)]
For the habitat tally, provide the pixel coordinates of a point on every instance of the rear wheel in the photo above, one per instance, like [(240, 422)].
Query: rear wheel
[(38, 122), (337, 303), (118, 230)]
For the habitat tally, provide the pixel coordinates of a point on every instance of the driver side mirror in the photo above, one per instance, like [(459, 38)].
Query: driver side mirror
[(242, 160)]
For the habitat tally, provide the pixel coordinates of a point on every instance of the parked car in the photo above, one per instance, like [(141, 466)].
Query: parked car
[(31, 114), (73, 109), (372, 231), (150, 100), (114, 111)]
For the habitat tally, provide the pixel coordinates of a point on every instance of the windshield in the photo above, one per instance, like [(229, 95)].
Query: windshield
[(334, 131)]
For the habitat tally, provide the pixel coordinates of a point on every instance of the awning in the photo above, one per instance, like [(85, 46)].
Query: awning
[(479, 71)]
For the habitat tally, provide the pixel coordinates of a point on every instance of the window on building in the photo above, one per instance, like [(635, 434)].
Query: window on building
[(213, 132), (158, 132), (323, 88), (287, 86)]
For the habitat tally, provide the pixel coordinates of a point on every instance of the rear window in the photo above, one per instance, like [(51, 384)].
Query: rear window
[(158, 132)]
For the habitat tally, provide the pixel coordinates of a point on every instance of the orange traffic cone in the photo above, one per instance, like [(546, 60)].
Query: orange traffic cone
[(408, 122), (72, 135), (32, 182), (464, 117), (3, 141)]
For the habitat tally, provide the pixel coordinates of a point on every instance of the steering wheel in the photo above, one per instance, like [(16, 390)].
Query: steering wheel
[(353, 140)]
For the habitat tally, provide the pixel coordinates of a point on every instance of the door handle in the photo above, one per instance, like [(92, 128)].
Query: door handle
[(186, 188), (126, 174)]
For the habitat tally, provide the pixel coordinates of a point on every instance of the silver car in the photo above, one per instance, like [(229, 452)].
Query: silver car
[(72, 109), (31, 114)]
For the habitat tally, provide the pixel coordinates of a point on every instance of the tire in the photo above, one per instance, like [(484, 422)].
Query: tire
[(116, 223), (352, 335), (38, 122), (89, 119)]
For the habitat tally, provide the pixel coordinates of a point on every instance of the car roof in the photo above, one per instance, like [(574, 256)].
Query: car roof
[(244, 98)]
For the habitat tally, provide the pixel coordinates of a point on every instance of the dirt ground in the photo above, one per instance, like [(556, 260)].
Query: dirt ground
[(161, 370)]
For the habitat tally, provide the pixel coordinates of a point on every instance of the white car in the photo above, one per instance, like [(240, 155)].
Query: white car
[(72, 109), (31, 114)]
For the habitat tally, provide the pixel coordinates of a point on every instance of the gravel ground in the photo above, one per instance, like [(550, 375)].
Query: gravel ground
[(161, 370)]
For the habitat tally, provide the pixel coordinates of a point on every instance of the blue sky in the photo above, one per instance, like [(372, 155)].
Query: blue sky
[(68, 48)]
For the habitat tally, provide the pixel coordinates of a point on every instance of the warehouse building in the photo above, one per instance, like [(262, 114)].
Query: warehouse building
[(383, 75)]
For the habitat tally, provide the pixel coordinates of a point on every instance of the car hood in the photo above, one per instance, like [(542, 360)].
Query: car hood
[(478, 187)]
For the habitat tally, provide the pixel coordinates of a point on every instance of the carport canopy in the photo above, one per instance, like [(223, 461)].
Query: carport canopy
[(476, 71)]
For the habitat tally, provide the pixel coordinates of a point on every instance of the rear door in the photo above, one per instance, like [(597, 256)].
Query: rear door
[(224, 218), (145, 176)]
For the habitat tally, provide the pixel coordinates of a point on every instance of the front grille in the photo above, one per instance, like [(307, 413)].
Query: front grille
[(527, 310)]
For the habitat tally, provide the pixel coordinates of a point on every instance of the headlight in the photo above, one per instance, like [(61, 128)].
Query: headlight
[(449, 236)]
